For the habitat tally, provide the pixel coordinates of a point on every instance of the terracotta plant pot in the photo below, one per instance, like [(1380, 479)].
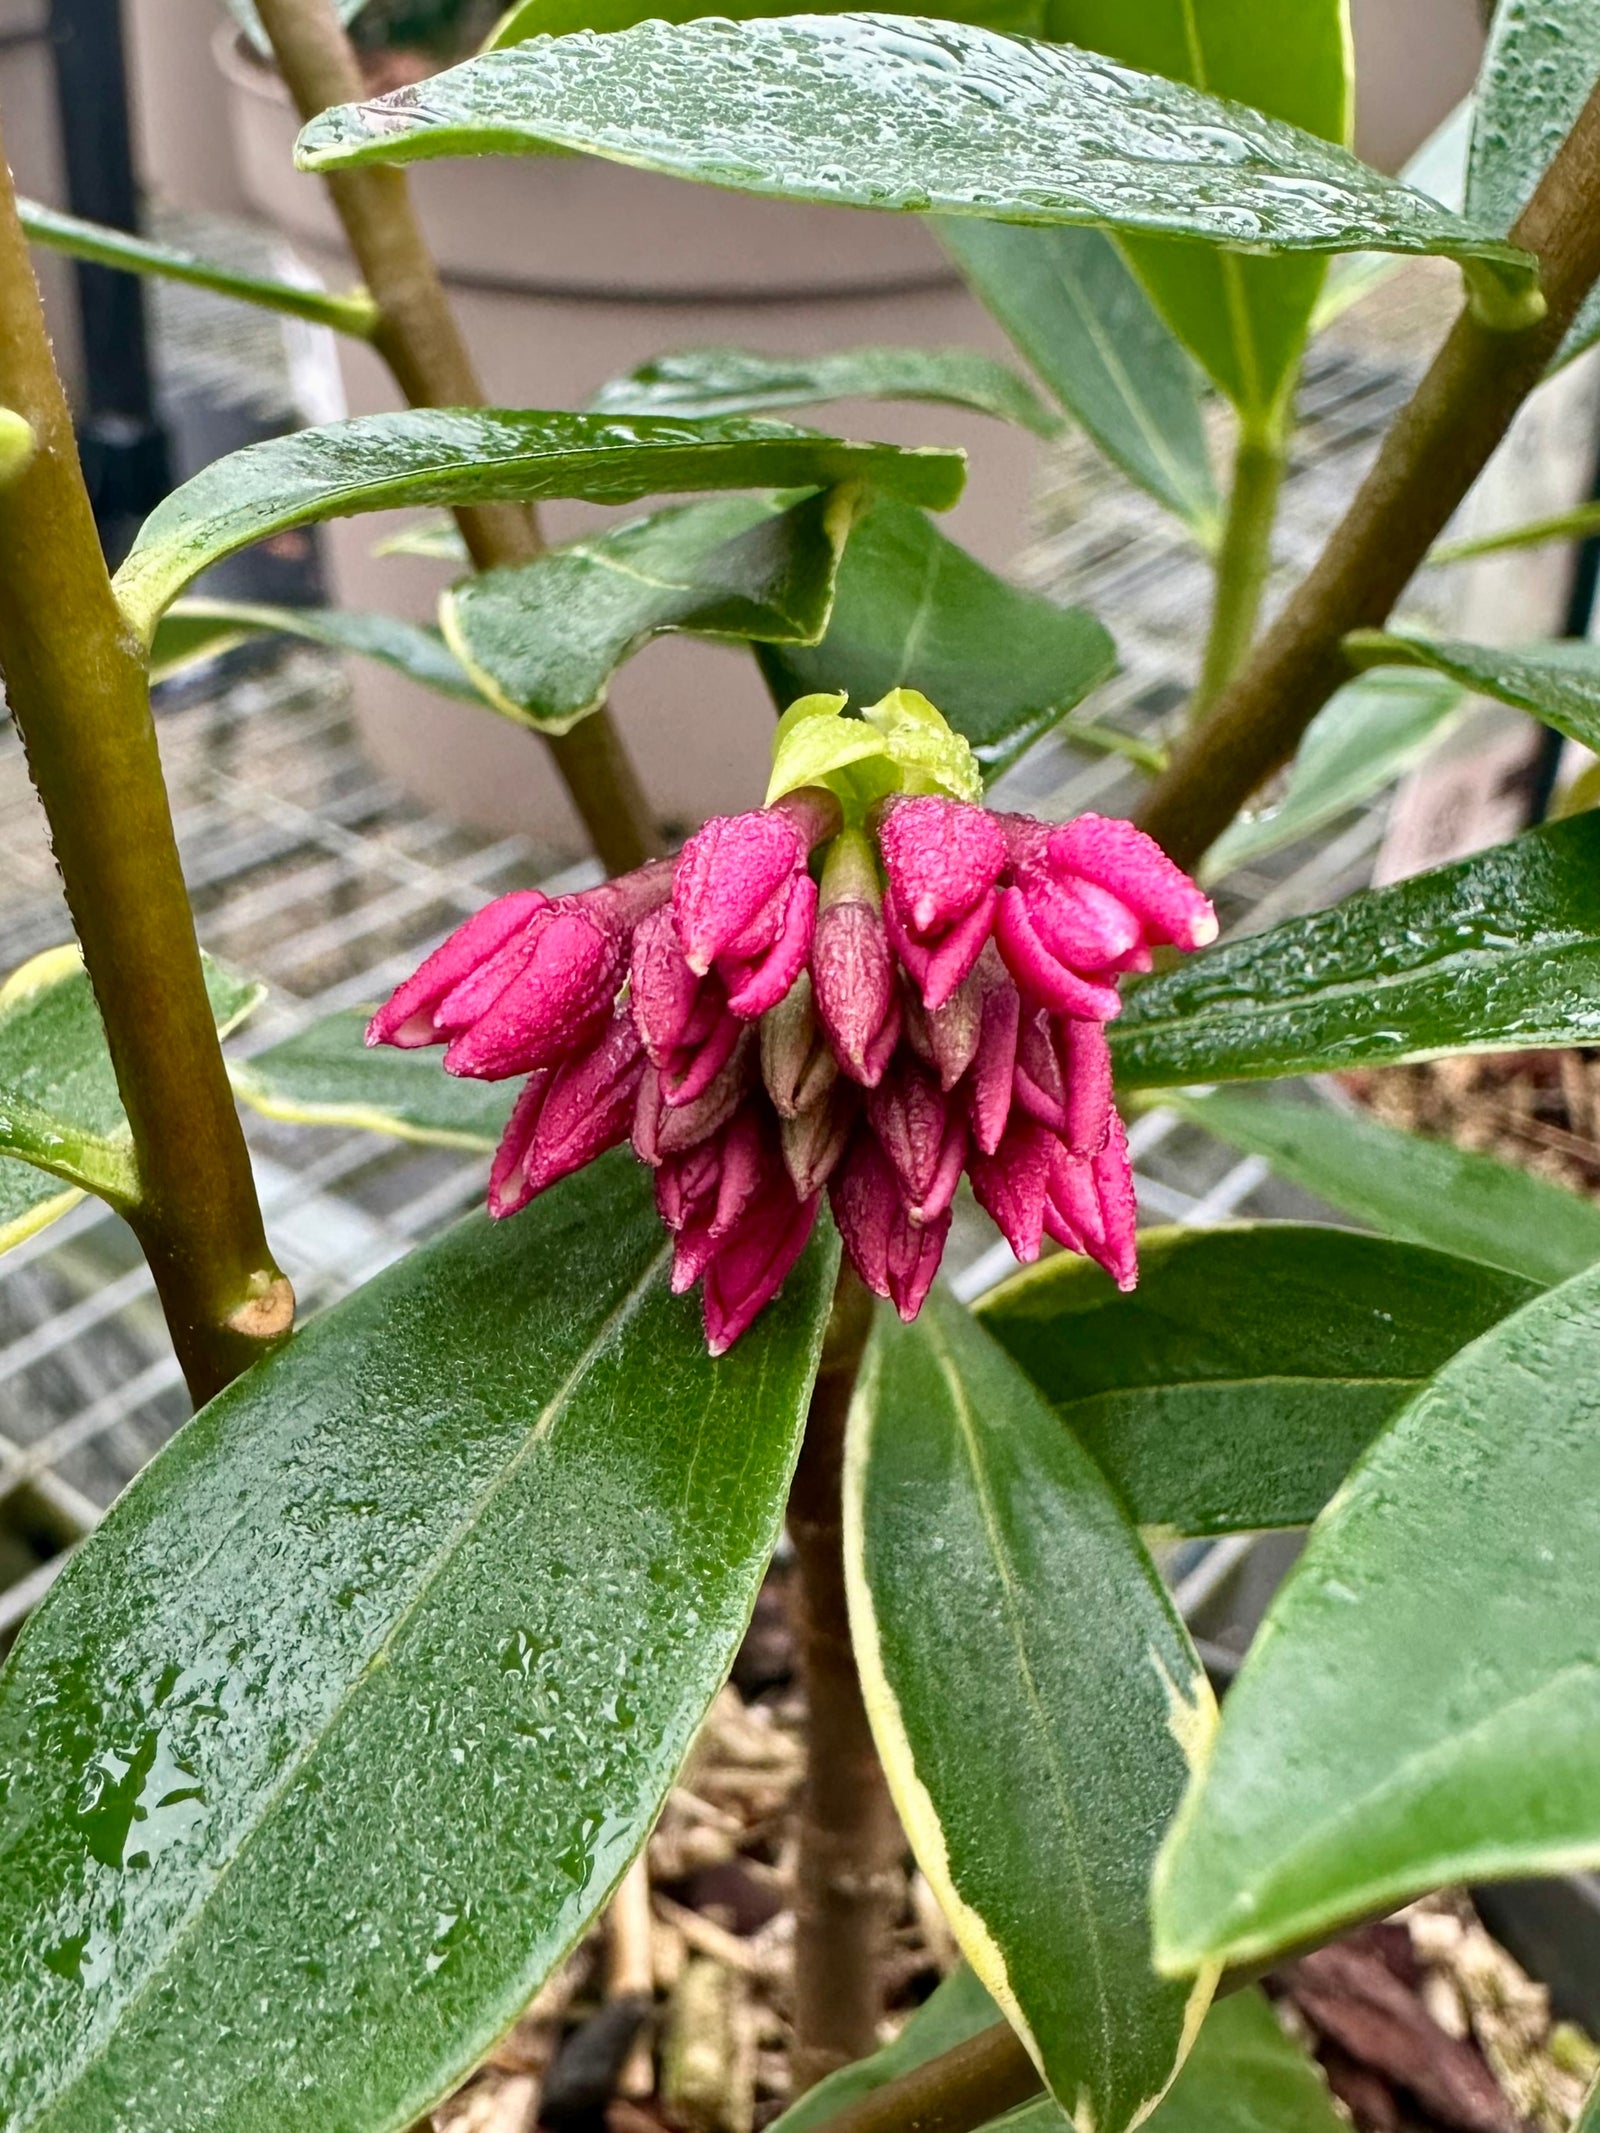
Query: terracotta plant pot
[(567, 271)]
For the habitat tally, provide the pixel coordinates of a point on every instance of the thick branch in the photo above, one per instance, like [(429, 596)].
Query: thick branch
[(420, 340), (850, 1840), (1436, 450), (76, 684)]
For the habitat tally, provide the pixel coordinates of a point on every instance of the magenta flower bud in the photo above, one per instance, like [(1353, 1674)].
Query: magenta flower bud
[(1091, 1206), (852, 964), (942, 858), (895, 1257), (732, 888), (564, 990), (1042, 976), (1012, 1184), (938, 970), (1063, 1079), (815, 1140), (703, 1194), (1083, 926), (923, 1134), (661, 1129), (993, 1068), (683, 1021), (947, 1039), (567, 1116), (1115, 856), (756, 987), (408, 1018), (797, 1065), (753, 1262)]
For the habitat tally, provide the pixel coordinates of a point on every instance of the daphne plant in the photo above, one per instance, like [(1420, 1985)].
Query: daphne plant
[(327, 1749)]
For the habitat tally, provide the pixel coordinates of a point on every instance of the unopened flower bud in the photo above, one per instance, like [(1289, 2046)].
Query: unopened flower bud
[(797, 1065), (852, 964), (751, 1264), (409, 1018), (731, 892), (896, 1258), (570, 968), (923, 1134), (1011, 1185), (567, 1116), (814, 1141), (1091, 1206)]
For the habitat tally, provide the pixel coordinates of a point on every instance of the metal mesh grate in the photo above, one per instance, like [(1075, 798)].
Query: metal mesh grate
[(308, 870)]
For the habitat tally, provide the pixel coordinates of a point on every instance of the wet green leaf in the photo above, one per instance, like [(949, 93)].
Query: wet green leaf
[(377, 462), (59, 1106), (1240, 1382), (193, 629), (1408, 1186), (1542, 62), (737, 381), (1372, 732), (1422, 1705), (898, 112), (1498, 953), (326, 1076), (543, 640), (912, 610), (959, 2009), (1580, 524), (1071, 304), (365, 1695), (984, 1546), (355, 314), (30, 1200), (558, 18), (1244, 320), (1558, 683)]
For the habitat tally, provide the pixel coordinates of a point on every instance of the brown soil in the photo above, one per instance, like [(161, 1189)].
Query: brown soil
[(1540, 1110)]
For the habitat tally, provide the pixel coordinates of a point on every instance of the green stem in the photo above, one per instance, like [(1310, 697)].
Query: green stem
[(420, 340), (76, 684), (1437, 448), (1244, 560)]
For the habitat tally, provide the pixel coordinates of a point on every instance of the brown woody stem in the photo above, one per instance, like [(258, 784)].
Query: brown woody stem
[(850, 1841), (1436, 450), (420, 340), (77, 687)]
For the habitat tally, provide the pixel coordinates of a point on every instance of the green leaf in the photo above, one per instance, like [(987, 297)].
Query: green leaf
[(59, 1106), (360, 1703), (326, 1076), (984, 1547), (1577, 525), (914, 611), (436, 537), (1498, 953), (1558, 683), (959, 2009), (1069, 302), (30, 1200), (356, 314), (898, 112), (558, 18), (1408, 1186), (543, 640), (1439, 167), (1542, 62), (1240, 1382), (378, 462), (192, 629), (1372, 732), (1422, 1705), (736, 381), (1245, 320)]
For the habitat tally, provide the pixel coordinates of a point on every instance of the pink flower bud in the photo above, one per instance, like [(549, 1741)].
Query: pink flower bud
[(994, 1067), (1063, 1079), (1091, 1206), (661, 1129), (683, 1020), (1113, 855), (938, 970), (943, 859), (947, 1039), (567, 1116), (852, 964), (814, 1141), (408, 1019), (1011, 1185), (563, 991), (753, 1262), (704, 1194), (895, 1257), (756, 987), (732, 887), (923, 1134), (1042, 976), (797, 1065)]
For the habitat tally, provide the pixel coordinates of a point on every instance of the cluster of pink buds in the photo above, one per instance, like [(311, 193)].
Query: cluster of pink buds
[(794, 1006)]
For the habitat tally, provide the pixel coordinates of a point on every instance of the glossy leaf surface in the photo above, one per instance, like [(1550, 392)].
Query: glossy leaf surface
[(1235, 1388), (543, 640), (958, 2009), (1372, 732), (1394, 1731), (326, 1076), (738, 381), (1542, 62), (193, 628), (558, 18), (1071, 304), (1558, 683), (914, 611), (376, 462), (898, 112), (983, 1546), (104, 247), (1498, 953), (369, 1689), (59, 1106), (30, 1200), (1245, 320), (1407, 1185)]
